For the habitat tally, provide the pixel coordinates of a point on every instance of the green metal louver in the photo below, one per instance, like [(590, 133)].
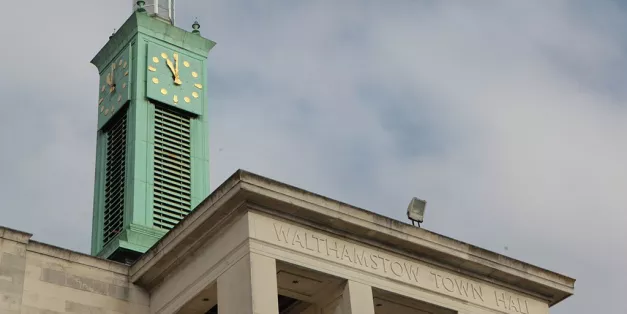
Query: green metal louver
[(115, 170), (172, 168)]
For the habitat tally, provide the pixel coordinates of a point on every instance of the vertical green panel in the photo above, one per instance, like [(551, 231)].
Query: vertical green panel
[(97, 220), (140, 216), (172, 174), (115, 176)]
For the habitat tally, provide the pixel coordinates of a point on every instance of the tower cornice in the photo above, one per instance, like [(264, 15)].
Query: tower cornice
[(142, 23)]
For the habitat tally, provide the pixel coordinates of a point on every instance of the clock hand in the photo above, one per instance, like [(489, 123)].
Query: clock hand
[(111, 85), (177, 79), (170, 66)]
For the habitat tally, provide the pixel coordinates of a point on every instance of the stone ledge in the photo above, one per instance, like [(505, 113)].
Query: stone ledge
[(14, 235), (342, 218), (61, 253), (464, 257)]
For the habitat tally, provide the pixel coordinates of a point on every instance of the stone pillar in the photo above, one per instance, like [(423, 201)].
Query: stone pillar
[(357, 299), (249, 287)]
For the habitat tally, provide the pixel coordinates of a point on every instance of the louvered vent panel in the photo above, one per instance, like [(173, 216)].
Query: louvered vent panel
[(114, 178), (172, 169)]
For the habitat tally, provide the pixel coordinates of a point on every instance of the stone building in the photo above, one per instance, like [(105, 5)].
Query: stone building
[(162, 244), (260, 246)]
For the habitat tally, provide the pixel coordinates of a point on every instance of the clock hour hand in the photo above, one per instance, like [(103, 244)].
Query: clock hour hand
[(110, 81), (170, 66), (175, 73)]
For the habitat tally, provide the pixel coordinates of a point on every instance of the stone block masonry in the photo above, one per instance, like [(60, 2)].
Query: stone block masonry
[(40, 279)]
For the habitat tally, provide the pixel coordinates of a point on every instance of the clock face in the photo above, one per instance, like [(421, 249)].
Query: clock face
[(174, 78), (114, 89)]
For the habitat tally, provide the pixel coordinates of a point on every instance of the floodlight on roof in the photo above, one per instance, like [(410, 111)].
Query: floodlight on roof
[(416, 210)]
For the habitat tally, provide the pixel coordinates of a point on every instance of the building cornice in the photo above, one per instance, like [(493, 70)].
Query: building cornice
[(247, 188)]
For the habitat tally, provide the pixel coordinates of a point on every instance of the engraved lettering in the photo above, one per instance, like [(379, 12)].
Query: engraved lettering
[(500, 299), (334, 248), (511, 303), (477, 292), (398, 270), (298, 238), (317, 242), (446, 280), (307, 242), (412, 272), (361, 259), (280, 231), (461, 287), (385, 266), (373, 258), (346, 254), (435, 278), (464, 286), (525, 309)]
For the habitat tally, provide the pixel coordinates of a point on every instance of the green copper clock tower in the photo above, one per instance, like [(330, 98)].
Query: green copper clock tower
[(152, 154)]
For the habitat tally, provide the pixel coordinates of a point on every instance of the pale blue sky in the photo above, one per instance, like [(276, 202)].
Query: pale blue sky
[(509, 117)]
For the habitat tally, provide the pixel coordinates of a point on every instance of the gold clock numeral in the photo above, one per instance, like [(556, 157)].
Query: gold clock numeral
[(100, 101), (106, 111), (187, 100), (112, 109), (124, 85), (195, 94), (125, 65), (186, 64), (199, 86), (113, 66), (155, 59), (119, 98), (176, 99), (126, 73), (120, 62), (194, 74), (164, 55), (101, 108), (155, 80), (102, 89), (152, 69), (164, 91)]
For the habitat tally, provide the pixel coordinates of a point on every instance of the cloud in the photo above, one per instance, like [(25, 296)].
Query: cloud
[(508, 118)]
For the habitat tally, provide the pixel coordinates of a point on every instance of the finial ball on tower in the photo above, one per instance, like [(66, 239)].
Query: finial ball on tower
[(140, 6), (196, 27)]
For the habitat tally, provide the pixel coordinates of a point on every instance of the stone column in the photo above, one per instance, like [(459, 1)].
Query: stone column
[(357, 299), (249, 287)]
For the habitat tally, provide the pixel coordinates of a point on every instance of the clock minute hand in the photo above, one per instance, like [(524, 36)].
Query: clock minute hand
[(177, 79), (170, 66), (111, 83)]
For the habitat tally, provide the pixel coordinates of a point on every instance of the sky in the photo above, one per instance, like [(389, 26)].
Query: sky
[(508, 117)]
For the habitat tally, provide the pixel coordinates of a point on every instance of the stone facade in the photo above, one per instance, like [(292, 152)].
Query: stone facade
[(260, 246), (37, 278)]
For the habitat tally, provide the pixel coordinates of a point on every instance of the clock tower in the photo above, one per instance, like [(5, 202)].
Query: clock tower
[(152, 154)]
